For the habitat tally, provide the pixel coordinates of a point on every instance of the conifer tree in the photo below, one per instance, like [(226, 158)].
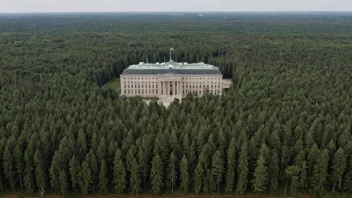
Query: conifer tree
[(93, 167), (74, 170), (242, 170), (231, 166), (156, 175), (103, 181), (55, 172), (171, 174), (303, 175), (198, 177), (135, 180), (119, 173), (217, 168), (81, 142), (28, 173), (292, 173), (184, 185), (260, 175), (63, 182), (347, 183), (85, 178), (19, 161), (8, 164), (338, 168), (41, 177), (273, 169), (320, 173)]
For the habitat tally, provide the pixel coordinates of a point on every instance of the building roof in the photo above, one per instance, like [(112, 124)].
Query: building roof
[(172, 67)]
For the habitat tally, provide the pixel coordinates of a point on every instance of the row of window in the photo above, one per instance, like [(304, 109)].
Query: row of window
[(145, 85), (187, 86), (153, 91)]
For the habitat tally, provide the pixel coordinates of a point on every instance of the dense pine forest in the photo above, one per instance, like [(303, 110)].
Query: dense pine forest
[(284, 127)]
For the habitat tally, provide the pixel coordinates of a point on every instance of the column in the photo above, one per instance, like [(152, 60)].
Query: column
[(167, 88), (173, 87), (179, 88), (159, 86)]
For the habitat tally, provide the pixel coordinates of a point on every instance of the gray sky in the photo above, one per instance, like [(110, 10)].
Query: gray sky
[(172, 5)]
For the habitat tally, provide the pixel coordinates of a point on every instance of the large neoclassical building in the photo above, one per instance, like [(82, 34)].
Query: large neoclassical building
[(171, 79)]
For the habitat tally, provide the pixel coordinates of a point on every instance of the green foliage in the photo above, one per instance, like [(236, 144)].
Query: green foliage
[(198, 177), (171, 173), (85, 178), (135, 180), (184, 175), (74, 169), (289, 107), (157, 174), (242, 170), (217, 168), (339, 167), (320, 173), (103, 181), (41, 177), (119, 173), (260, 179), (231, 166)]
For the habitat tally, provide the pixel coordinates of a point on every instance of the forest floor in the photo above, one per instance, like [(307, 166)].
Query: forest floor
[(114, 84), (161, 196)]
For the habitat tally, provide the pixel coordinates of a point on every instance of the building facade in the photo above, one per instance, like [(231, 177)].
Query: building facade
[(170, 79)]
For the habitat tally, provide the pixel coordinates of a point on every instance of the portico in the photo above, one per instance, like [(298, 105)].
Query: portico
[(170, 84)]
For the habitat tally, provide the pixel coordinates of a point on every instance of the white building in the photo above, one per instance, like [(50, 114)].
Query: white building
[(171, 79)]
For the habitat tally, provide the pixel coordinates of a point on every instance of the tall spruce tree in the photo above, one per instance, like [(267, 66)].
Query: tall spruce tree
[(171, 173), (273, 169), (40, 173), (217, 168), (338, 168), (85, 178), (119, 173), (198, 177), (103, 180), (135, 180), (184, 175), (231, 166), (260, 175), (242, 170), (157, 174), (74, 170), (28, 178), (8, 165), (63, 182), (19, 161), (320, 173), (347, 183)]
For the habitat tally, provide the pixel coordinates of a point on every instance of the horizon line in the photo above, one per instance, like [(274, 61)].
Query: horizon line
[(195, 11)]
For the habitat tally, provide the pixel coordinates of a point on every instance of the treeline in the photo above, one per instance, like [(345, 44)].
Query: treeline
[(283, 127)]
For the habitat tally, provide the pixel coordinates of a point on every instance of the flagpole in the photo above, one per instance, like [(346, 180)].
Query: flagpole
[(170, 55)]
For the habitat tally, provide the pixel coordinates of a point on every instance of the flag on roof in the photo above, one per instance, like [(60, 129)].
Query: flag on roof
[(172, 49)]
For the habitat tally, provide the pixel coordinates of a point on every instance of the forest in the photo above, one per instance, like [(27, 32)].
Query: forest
[(283, 127)]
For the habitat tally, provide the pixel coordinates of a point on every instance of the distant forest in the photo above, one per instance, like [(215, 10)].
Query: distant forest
[(284, 127)]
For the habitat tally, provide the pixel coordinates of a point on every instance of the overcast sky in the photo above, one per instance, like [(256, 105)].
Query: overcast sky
[(172, 5)]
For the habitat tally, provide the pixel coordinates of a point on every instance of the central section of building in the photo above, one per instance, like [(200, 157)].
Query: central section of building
[(170, 79)]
